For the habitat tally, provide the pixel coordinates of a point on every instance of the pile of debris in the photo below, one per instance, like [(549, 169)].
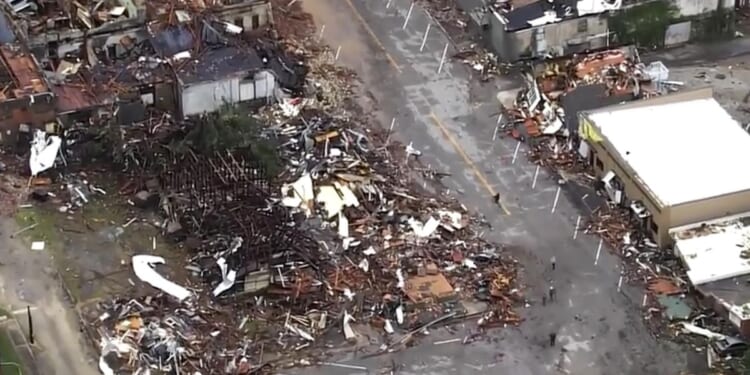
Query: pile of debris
[(613, 225), (540, 110), (384, 255), (619, 228), (485, 63), (138, 336), (552, 154), (345, 181), (557, 90), (660, 272), (346, 243)]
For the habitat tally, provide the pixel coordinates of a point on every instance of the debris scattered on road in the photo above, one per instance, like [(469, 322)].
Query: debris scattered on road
[(310, 232)]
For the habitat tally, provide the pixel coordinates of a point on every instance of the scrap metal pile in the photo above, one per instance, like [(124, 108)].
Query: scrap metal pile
[(346, 245)]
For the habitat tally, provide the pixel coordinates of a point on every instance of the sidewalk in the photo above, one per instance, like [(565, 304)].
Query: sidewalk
[(692, 54)]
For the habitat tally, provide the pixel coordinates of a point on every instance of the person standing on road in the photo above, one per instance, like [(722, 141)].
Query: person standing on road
[(553, 261), (552, 338), (552, 293)]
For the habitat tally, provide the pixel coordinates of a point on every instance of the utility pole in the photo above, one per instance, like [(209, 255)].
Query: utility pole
[(31, 326)]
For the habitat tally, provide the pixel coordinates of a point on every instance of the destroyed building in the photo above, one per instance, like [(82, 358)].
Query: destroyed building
[(716, 255), (558, 89), (189, 58), (220, 74), (657, 158), (57, 28), (585, 83), (25, 96)]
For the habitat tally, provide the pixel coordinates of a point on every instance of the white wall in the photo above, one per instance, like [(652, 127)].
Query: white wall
[(695, 7), (210, 96), (564, 34)]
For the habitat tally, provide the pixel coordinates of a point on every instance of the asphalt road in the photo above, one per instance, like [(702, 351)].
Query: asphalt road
[(448, 117)]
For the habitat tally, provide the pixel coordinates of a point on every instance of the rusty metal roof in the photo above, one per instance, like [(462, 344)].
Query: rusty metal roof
[(24, 72), (73, 97)]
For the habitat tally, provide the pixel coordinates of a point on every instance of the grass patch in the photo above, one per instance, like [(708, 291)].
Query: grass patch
[(8, 354), (66, 233), (46, 230)]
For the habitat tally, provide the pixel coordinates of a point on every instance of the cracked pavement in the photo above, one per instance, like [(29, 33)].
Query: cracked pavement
[(449, 117)]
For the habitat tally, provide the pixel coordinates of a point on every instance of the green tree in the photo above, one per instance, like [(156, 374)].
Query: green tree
[(644, 25), (232, 128)]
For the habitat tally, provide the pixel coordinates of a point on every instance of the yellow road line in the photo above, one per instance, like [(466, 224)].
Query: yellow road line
[(390, 58), (480, 176)]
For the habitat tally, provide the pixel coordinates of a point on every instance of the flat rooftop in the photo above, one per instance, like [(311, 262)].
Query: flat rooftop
[(519, 17), (681, 151), (734, 292), (716, 250), (218, 63)]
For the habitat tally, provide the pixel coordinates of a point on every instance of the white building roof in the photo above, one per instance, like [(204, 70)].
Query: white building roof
[(714, 251), (682, 152)]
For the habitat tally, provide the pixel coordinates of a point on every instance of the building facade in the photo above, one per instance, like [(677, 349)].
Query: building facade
[(555, 39), (541, 29), (657, 157), (534, 29)]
